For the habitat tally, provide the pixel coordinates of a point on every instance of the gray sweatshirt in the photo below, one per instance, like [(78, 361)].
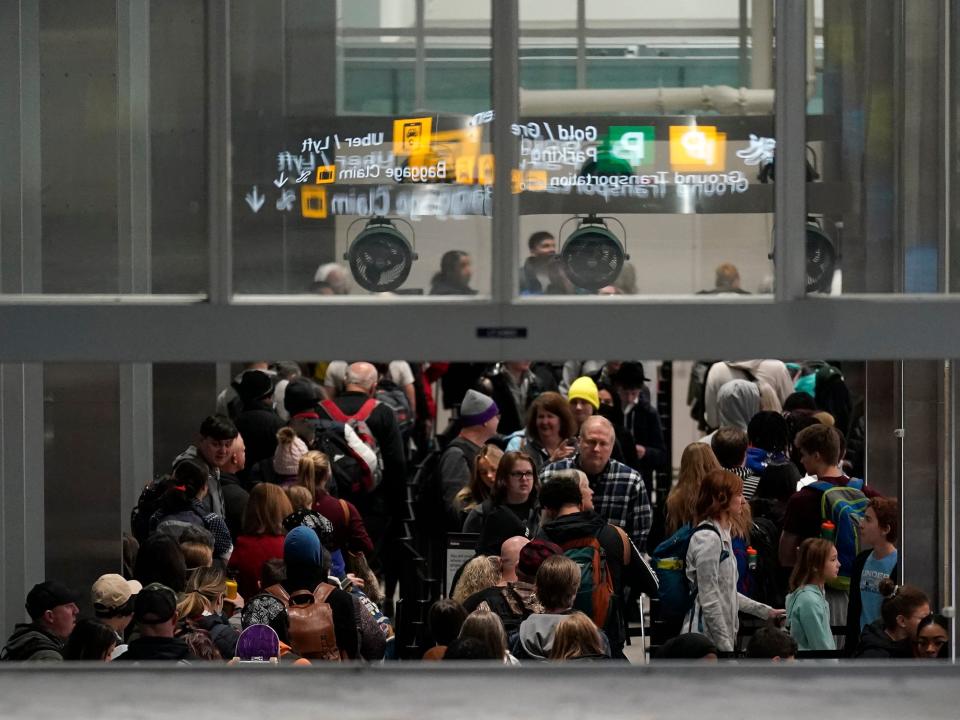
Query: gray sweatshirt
[(717, 602)]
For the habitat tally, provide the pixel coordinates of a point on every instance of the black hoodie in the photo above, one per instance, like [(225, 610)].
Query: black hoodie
[(875, 643), (157, 648)]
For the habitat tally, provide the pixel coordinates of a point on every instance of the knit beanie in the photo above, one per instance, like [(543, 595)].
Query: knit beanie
[(584, 388), (533, 554), (477, 408), (301, 546), (290, 448)]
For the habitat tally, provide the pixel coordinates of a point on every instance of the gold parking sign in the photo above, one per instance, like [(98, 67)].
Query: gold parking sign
[(412, 135), (313, 202)]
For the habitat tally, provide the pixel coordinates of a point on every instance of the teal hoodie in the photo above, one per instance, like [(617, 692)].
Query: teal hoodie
[(808, 616)]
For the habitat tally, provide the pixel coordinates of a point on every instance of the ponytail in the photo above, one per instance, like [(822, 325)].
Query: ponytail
[(899, 600)]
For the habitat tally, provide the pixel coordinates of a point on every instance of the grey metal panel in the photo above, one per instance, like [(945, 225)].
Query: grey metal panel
[(219, 168), (182, 395), (78, 125), (179, 193), (478, 691), (789, 190), (856, 328), (82, 491)]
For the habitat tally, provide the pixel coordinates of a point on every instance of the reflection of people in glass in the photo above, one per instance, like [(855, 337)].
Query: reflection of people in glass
[(535, 273), (331, 279), (456, 269), (727, 281)]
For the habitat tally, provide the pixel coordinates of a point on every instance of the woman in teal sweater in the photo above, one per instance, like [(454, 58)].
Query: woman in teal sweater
[(808, 614)]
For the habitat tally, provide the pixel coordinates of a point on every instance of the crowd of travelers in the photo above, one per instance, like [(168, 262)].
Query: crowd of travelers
[(279, 534)]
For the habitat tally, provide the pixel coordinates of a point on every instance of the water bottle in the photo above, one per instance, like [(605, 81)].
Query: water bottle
[(751, 559), (828, 531)]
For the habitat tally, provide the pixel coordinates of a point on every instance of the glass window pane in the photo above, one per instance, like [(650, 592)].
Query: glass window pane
[(363, 178), (640, 142)]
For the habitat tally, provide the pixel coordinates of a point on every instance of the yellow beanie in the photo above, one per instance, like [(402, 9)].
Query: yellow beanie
[(584, 388)]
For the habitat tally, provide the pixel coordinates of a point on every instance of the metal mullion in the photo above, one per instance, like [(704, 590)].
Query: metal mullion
[(420, 68), (581, 43), (505, 80), (219, 167), (790, 199)]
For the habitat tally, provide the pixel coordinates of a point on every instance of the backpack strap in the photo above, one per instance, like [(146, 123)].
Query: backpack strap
[(821, 486), (346, 510), (364, 412), (856, 484), (626, 543), (322, 591), (278, 592)]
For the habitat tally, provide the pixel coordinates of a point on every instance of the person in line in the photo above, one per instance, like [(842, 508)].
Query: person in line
[(512, 508), (808, 614), (258, 422), (201, 608), (444, 621), (689, 646), (679, 507), (535, 272), (577, 638), (262, 536), (558, 580), (641, 420), (933, 637), (481, 481), (486, 627), (161, 560), (510, 598), (210, 453), (235, 495), (349, 532), (584, 398), (893, 635), (53, 612), (878, 530), (711, 568), (550, 431), (772, 643), (620, 497), (729, 444), (113, 599), (155, 612), (480, 573), (90, 640), (181, 506), (514, 386)]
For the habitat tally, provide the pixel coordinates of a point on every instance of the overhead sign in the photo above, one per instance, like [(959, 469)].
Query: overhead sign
[(697, 148), (633, 143), (412, 135)]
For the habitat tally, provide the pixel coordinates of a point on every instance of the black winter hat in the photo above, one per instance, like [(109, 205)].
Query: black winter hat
[(254, 384), (300, 396), (630, 375)]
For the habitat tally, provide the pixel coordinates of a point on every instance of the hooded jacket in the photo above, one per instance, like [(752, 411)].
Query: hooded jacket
[(31, 642), (875, 643), (772, 372), (535, 638)]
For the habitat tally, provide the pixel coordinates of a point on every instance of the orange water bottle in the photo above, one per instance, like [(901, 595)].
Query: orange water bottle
[(751, 558)]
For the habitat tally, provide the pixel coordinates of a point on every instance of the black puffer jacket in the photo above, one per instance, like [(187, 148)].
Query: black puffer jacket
[(157, 648)]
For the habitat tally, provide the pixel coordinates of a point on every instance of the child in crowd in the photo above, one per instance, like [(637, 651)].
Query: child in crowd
[(808, 613)]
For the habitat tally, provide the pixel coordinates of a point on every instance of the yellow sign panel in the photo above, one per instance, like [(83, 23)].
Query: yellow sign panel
[(326, 174), (535, 181), (412, 135), (465, 168), (485, 169), (313, 202), (697, 148)]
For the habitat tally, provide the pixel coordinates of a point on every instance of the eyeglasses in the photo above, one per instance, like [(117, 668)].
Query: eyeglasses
[(521, 474)]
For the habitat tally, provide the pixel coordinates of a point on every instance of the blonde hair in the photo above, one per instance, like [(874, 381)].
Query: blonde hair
[(697, 460), (811, 560), (300, 497), (266, 508), (205, 586), (576, 636), (478, 574), (314, 472), (476, 491)]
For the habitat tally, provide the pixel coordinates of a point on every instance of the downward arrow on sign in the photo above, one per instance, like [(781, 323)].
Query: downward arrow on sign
[(255, 200)]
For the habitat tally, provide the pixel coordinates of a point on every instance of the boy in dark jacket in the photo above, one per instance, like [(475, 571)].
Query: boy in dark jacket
[(53, 609)]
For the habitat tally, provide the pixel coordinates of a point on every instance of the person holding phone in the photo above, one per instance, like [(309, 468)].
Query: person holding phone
[(549, 433)]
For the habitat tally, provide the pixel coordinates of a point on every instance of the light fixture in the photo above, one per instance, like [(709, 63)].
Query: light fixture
[(380, 256)]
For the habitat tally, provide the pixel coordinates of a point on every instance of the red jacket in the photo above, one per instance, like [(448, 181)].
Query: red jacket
[(249, 555)]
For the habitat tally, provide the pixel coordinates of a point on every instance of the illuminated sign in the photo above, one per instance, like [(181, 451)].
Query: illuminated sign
[(697, 147), (759, 152), (633, 143), (412, 135), (326, 174), (313, 202)]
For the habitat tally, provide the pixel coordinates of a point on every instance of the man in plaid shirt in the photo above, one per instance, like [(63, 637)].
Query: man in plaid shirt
[(619, 495)]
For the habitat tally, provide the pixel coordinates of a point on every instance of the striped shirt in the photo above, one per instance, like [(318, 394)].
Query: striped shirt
[(619, 496), (750, 481)]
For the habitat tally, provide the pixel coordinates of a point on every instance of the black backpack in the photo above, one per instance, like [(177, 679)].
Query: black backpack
[(765, 539), (393, 396), (427, 490), (147, 504)]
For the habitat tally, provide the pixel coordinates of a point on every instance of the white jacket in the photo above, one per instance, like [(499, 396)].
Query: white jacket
[(772, 372), (717, 602)]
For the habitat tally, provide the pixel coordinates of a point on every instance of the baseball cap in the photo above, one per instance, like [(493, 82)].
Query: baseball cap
[(48, 595), (155, 604), (112, 592)]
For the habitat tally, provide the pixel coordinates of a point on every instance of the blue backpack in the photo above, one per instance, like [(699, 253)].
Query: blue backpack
[(844, 506), (670, 564)]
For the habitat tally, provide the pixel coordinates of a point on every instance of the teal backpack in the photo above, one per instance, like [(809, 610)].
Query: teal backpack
[(670, 565), (844, 506)]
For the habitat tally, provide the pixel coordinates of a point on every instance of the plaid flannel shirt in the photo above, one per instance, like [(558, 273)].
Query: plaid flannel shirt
[(619, 496)]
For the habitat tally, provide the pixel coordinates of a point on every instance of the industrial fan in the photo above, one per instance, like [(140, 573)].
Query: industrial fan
[(593, 256), (380, 256)]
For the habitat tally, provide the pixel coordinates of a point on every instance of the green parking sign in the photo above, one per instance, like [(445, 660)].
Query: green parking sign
[(633, 143)]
